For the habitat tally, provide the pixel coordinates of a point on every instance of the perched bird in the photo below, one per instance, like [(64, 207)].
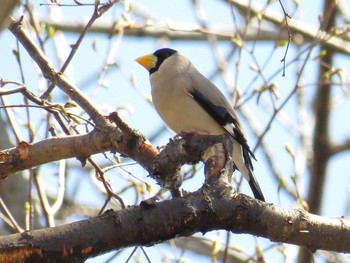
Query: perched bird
[(188, 102)]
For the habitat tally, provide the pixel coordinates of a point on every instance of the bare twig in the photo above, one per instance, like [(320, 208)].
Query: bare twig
[(98, 12), (55, 77), (14, 224), (286, 17)]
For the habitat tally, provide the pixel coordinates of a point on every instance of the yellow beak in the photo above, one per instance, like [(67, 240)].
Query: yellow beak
[(147, 61)]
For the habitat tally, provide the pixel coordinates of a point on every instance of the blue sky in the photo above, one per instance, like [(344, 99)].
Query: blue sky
[(120, 93)]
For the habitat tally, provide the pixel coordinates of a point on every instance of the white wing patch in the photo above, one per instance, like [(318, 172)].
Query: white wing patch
[(230, 127)]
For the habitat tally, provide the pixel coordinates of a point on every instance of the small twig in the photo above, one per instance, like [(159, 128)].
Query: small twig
[(100, 174), (98, 12), (78, 4), (131, 254), (19, 61), (290, 95), (10, 216), (267, 152), (286, 16), (145, 253), (50, 73), (61, 186), (54, 109), (47, 211), (339, 148), (12, 120), (105, 204)]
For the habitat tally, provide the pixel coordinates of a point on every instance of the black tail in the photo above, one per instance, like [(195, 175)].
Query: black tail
[(253, 183)]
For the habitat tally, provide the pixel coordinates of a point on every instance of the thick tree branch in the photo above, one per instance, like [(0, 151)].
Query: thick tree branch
[(164, 167), (215, 206), (205, 210), (322, 111), (321, 139), (26, 156), (109, 138)]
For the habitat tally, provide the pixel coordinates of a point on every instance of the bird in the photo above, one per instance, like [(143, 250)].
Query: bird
[(188, 102)]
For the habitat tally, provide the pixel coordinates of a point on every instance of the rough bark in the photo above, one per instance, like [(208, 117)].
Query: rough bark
[(211, 208), (321, 138)]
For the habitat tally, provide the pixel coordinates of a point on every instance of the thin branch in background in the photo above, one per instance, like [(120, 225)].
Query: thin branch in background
[(261, 72), (54, 109), (62, 170), (11, 119), (145, 254), (98, 12), (221, 61), (290, 95), (14, 223), (112, 50), (341, 147), (30, 206), (19, 62), (131, 254), (235, 93), (35, 24), (10, 116), (260, 69), (227, 244), (77, 4), (286, 17), (49, 211), (108, 198), (291, 62), (122, 166), (257, 68), (48, 215), (49, 73), (100, 175), (267, 152), (7, 221), (42, 39)]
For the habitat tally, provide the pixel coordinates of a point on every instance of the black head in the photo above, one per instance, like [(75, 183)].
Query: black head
[(161, 54)]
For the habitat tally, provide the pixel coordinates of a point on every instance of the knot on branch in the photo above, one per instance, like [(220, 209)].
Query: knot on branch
[(133, 144), (214, 151), (165, 167)]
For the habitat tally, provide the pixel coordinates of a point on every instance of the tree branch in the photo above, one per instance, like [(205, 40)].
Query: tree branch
[(205, 210), (297, 27), (52, 75), (322, 111), (164, 167), (26, 155), (177, 31), (321, 138), (7, 6), (341, 147)]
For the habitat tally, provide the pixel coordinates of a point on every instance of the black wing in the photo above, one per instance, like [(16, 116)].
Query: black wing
[(223, 117), (227, 119)]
